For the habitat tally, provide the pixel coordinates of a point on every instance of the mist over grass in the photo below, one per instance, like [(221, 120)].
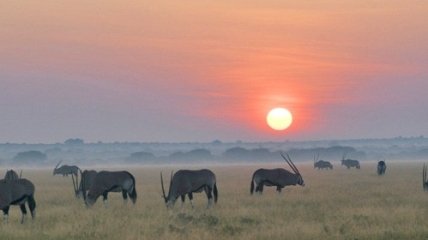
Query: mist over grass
[(337, 204), (216, 152)]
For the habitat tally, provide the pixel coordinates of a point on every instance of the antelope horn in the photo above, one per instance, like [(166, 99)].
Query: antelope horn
[(58, 164), (288, 161), (163, 189), (74, 185), (294, 166)]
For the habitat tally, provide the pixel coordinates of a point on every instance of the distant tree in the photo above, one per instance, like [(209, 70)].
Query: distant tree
[(236, 153), (193, 155), (74, 141), (29, 157), (177, 155), (140, 157), (262, 153), (54, 150), (199, 153), (216, 142)]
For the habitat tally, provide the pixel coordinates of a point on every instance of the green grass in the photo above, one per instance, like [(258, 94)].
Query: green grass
[(338, 204)]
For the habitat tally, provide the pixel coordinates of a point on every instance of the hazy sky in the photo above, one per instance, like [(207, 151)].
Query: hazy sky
[(203, 70)]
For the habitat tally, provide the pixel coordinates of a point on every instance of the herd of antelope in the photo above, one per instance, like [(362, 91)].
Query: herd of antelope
[(16, 190)]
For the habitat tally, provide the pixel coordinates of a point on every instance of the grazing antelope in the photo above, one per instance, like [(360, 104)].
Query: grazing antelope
[(189, 181), (321, 164), (424, 178), (105, 182), (278, 177), (17, 192), (381, 167), (350, 163)]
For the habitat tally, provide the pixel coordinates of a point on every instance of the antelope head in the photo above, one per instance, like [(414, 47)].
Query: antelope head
[(294, 168), (169, 200), (55, 171)]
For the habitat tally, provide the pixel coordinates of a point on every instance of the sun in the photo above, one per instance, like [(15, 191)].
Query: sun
[(279, 118)]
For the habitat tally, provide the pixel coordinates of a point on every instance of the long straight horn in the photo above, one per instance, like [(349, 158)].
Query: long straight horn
[(77, 183), (163, 189), (288, 161), (294, 166), (74, 185), (58, 164)]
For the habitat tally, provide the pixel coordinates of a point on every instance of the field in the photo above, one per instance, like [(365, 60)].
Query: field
[(338, 204)]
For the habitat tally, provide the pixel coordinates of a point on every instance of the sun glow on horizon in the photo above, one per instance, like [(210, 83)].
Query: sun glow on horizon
[(279, 119)]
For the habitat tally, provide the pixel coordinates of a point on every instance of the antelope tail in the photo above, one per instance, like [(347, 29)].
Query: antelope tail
[(133, 194), (252, 185)]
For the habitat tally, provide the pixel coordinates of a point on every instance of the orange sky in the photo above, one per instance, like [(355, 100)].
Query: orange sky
[(204, 70)]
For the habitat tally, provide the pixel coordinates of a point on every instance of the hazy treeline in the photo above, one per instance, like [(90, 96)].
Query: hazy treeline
[(76, 151)]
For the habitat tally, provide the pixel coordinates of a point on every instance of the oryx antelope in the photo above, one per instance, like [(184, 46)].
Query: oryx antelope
[(188, 182), (86, 179), (64, 170), (105, 182), (12, 175), (381, 167), (278, 177), (17, 192), (350, 162), (424, 178), (321, 164)]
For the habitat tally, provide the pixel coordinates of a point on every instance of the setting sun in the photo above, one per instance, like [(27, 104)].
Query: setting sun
[(279, 119)]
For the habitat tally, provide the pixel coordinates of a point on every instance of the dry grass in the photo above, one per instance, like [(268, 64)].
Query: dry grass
[(338, 204)]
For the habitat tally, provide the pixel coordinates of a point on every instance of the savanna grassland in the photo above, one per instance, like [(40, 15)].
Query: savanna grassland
[(338, 204)]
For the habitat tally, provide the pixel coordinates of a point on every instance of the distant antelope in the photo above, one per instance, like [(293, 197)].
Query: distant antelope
[(381, 167), (278, 177), (321, 164), (105, 182), (350, 162), (64, 170), (189, 181), (17, 192)]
